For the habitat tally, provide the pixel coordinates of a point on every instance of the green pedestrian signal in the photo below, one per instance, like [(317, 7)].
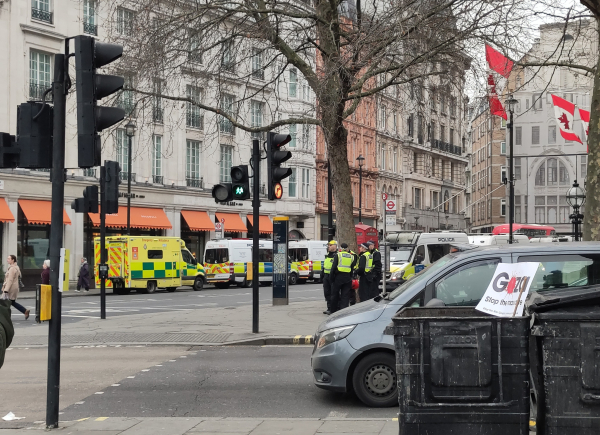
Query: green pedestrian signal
[(240, 182)]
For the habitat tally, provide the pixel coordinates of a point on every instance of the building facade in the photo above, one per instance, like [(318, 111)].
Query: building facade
[(178, 152)]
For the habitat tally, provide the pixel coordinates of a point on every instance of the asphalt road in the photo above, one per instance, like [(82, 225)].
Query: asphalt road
[(244, 381), (184, 299)]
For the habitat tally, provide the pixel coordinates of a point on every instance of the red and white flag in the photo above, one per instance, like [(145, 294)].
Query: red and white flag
[(501, 66), (585, 119), (564, 111)]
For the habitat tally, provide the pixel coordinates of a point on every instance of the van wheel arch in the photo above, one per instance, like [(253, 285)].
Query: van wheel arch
[(350, 374)]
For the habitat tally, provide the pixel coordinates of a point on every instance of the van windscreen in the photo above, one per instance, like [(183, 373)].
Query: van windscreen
[(216, 256)]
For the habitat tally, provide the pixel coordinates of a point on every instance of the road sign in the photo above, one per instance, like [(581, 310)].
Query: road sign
[(390, 207), (384, 196), (218, 227), (390, 219), (222, 220)]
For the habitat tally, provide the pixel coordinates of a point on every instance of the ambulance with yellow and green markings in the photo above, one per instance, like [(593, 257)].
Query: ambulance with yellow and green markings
[(146, 263)]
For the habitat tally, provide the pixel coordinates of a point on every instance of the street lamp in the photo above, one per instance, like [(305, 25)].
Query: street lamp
[(511, 103), (576, 199), (360, 160), (130, 131)]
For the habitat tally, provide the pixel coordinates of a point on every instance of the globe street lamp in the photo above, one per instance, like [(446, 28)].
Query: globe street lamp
[(130, 131), (576, 199), (511, 103), (360, 160)]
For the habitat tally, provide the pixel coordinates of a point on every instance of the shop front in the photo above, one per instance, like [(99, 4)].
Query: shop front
[(233, 226), (265, 226), (195, 229)]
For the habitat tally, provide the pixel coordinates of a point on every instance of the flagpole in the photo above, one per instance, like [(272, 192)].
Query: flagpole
[(511, 103)]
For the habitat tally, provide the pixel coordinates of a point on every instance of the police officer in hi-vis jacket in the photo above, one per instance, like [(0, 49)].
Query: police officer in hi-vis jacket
[(341, 276), (332, 250)]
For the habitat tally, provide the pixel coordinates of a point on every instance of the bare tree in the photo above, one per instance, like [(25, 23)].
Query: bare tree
[(232, 52)]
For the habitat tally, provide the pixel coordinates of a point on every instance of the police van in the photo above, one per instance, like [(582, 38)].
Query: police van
[(496, 239), (146, 263), (226, 262), (412, 251), (306, 260)]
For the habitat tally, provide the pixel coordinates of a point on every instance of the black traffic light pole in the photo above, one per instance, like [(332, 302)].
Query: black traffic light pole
[(59, 91), (255, 230), (102, 239)]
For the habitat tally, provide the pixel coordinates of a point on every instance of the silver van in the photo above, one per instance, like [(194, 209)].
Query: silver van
[(351, 351)]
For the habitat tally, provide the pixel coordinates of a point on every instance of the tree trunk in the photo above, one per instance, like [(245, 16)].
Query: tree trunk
[(591, 219)]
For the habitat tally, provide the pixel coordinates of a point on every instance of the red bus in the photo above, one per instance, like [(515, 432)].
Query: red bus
[(530, 230)]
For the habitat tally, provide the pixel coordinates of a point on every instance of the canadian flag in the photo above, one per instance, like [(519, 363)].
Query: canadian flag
[(585, 119), (564, 111), (501, 67)]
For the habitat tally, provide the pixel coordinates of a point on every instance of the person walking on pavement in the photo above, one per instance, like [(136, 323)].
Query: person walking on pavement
[(83, 280), (46, 272), (365, 267), (341, 274), (11, 284), (377, 269), (327, 263)]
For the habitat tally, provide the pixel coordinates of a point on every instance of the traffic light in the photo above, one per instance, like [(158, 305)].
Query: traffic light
[(91, 86), (35, 136), (89, 202), (222, 192), (9, 152), (240, 182), (275, 157), (112, 180)]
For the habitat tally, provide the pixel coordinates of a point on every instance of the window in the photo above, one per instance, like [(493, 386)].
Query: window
[(293, 183), (540, 212), (517, 168), (188, 257), (157, 156), (305, 183), (552, 177), (227, 105), (502, 123), (552, 134), (306, 136), (443, 133), (256, 113), (564, 271), (293, 84), (39, 74), (125, 19), (194, 46), (466, 285), (535, 135), (258, 71), (540, 175), (452, 176), (292, 128), (503, 174), (564, 211), (122, 150), (157, 109), (395, 121), (417, 198), (503, 207), (217, 256), (155, 254), (583, 166), (40, 10), (194, 116), (89, 17), (410, 126), (518, 135), (383, 162), (451, 138), (435, 199), (192, 160), (503, 148), (434, 167), (126, 99), (383, 117), (226, 163), (416, 162), (395, 160), (563, 174), (227, 56), (536, 101), (551, 210)]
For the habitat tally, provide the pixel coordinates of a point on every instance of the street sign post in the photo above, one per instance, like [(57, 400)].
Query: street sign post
[(390, 207), (219, 230), (280, 260)]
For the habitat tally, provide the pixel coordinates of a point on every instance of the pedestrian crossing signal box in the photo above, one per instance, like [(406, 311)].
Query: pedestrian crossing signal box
[(43, 302)]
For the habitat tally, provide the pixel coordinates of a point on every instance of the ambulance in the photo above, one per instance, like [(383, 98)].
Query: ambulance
[(146, 263), (306, 260), (226, 262)]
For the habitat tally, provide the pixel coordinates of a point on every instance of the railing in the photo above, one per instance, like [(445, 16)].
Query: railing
[(194, 120), (89, 172), (194, 182), (447, 147), (41, 15), (36, 91), (90, 29), (157, 115), (124, 175), (157, 179)]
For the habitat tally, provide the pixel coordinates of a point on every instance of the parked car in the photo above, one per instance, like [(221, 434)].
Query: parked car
[(352, 352)]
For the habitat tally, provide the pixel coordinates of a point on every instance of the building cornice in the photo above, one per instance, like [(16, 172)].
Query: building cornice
[(26, 28)]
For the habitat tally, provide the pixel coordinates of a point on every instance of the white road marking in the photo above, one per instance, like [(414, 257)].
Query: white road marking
[(146, 370), (99, 392), (130, 377), (115, 385)]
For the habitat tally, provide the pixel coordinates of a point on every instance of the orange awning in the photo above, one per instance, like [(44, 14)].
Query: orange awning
[(5, 213), (265, 224), (141, 217), (40, 212), (198, 220), (232, 222)]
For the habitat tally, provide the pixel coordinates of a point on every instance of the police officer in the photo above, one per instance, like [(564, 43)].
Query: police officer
[(365, 271), (327, 263), (377, 268), (341, 275), (354, 276), (7, 331)]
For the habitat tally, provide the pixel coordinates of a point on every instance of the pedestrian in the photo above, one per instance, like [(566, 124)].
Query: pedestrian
[(327, 263), (365, 267), (377, 268), (46, 272), (354, 292), (11, 284), (341, 274), (83, 277)]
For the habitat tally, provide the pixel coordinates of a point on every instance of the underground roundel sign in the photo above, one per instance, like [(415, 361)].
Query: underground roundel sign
[(390, 205)]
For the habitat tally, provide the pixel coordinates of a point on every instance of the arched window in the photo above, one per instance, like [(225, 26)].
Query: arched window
[(540, 175), (552, 178), (396, 193), (563, 174)]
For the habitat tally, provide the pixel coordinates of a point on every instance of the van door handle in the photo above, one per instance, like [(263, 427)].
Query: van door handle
[(588, 397)]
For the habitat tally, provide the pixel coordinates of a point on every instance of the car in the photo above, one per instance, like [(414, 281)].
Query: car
[(352, 351)]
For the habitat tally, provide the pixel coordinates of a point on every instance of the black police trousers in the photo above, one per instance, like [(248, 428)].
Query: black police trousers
[(341, 291)]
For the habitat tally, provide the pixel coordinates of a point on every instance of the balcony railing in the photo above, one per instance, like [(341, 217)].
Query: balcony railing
[(36, 91), (158, 179), (447, 147), (194, 120), (194, 182), (38, 14), (90, 29), (89, 172), (124, 175), (157, 115)]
